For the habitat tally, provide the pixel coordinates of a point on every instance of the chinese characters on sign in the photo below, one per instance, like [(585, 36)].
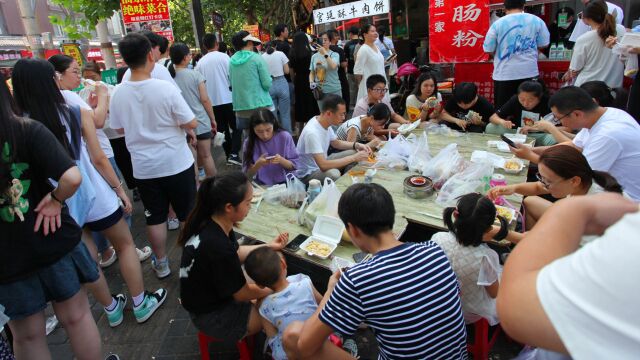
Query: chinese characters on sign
[(152, 15), (350, 11), (457, 29), (73, 50)]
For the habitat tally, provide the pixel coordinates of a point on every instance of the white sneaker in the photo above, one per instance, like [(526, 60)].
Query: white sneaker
[(144, 253), (173, 224), (160, 267)]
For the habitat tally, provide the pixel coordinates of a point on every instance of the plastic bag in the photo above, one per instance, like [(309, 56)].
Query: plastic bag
[(395, 153), (295, 194), (474, 178), (420, 155), (326, 203), (444, 165), (273, 194), (218, 139)]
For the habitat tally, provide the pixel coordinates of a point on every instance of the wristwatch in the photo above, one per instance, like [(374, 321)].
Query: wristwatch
[(326, 56)]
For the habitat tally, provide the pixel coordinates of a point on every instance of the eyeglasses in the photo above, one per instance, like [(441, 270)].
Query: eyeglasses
[(564, 116), (545, 182), (383, 90)]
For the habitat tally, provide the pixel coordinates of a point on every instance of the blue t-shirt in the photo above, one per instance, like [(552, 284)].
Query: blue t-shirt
[(295, 303), (514, 39), (409, 296)]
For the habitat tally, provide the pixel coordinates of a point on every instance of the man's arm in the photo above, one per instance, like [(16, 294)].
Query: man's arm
[(325, 164)]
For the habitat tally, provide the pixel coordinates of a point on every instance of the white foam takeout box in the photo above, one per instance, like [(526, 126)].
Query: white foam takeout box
[(327, 230)]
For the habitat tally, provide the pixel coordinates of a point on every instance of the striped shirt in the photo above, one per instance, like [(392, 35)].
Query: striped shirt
[(343, 130), (409, 296)]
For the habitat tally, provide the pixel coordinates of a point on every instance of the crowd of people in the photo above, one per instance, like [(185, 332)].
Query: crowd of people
[(313, 109)]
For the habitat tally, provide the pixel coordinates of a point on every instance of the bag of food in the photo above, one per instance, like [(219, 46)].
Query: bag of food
[(475, 178), (444, 165), (395, 153), (326, 203), (295, 194), (420, 155)]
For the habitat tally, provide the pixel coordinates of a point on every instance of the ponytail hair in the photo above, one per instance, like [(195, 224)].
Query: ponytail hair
[(475, 215), (177, 53), (363, 30), (598, 11), (568, 162), (212, 198)]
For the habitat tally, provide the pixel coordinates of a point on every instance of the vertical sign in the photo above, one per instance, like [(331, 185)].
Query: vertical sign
[(152, 15), (73, 50), (457, 29)]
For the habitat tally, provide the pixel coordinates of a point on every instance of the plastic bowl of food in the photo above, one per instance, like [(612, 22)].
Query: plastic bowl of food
[(418, 180), (507, 213), (513, 166)]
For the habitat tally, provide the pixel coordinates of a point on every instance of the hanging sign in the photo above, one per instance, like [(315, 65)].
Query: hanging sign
[(152, 15), (348, 11)]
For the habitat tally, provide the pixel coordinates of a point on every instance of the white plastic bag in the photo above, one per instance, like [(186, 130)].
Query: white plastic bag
[(420, 155), (326, 203), (218, 139), (444, 165), (475, 178), (295, 194), (395, 153)]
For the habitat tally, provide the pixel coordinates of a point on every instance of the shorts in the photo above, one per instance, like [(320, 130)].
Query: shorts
[(156, 194), (228, 323), (57, 282), (105, 223), (205, 136)]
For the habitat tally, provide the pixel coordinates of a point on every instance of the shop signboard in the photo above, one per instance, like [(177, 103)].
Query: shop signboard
[(152, 15), (457, 29), (217, 19), (255, 31), (73, 50), (348, 11), (110, 76)]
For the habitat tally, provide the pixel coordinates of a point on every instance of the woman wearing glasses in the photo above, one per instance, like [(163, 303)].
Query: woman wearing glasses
[(562, 172)]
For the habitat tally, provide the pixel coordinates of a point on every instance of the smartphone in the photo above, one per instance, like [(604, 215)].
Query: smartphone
[(294, 245), (508, 141), (358, 257), (270, 157)]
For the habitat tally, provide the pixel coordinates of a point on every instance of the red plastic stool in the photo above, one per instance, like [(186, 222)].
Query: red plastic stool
[(482, 344), (244, 346)]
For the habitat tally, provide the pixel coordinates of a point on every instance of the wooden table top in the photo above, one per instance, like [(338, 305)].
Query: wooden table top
[(264, 224)]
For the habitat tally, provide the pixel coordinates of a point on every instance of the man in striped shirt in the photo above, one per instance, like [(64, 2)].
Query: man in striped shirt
[(407, 292)]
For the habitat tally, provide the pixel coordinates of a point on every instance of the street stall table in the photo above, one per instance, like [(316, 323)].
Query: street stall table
[(265, 221)]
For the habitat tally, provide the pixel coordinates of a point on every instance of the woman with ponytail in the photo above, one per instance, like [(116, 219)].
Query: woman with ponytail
[(471, 223), (213, 288), (194, 91), (278, 65), (562, 172), (592, 59)]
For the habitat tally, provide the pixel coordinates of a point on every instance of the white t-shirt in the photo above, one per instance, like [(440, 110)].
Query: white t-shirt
[(368, 62), (275, 62), (214, 66), (592, 295), (108, 131), (581, 28), (159, 72), (476, 267), (314, 139), (151, 112), (613, 145), (73, 99), (595, 61), (514, 40)]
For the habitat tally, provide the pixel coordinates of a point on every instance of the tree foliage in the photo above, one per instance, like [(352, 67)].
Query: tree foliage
[(79, 27)]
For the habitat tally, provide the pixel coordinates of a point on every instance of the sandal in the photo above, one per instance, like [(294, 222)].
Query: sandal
[(110, 261)]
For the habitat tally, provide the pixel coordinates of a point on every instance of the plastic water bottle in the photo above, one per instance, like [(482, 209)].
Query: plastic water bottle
[(314, 189), (553, 52), (560, 52)]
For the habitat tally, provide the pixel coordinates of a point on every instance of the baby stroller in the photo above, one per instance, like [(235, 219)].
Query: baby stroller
[(406, 78)]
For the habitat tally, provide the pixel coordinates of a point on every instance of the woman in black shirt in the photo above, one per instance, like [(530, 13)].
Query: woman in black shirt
[(306, 106), (41, 256), (213, 288)]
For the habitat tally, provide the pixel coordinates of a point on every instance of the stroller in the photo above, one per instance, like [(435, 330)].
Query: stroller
[(406, 78)]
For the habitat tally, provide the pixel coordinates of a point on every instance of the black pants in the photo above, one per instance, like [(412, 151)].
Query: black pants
[(123, 160), (226, 120), (504, 90)]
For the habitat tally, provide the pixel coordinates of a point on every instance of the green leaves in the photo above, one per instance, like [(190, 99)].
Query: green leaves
[(78, 27)]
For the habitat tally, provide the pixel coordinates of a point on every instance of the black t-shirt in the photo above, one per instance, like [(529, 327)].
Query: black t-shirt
[(513, 111), (38, 157), (210, 270), (349, 50), (283, 46), (482, 107), (341, 74)]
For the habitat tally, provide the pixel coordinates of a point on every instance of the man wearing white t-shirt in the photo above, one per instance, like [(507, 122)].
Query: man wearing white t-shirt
[(513, 41), (579, 301), (582, 28), (317, 136), (159, 71), (153, 116), (609, 138)]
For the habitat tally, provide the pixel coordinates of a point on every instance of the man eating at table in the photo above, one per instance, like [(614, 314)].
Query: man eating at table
[(315, 139)]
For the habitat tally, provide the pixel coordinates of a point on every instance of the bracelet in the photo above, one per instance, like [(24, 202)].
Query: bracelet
[(53, 196), (117, 187), (354, 145)]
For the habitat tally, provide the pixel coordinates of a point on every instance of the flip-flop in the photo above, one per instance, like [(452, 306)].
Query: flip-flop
[(110, 261)]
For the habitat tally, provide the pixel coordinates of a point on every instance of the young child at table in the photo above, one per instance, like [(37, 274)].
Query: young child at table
[(294, 298), (471, 224)]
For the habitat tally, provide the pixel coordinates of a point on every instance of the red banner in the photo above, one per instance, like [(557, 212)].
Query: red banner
[(457, 29), (152, 15)]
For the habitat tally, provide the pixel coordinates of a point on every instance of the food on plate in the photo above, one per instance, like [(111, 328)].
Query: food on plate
[(356, 172), (505, 213), (512, 165), (432, 102), (472, 115), (318, 248), (528, 121), (372, 158)]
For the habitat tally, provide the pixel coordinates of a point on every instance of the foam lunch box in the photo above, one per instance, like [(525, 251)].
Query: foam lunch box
[(325, 237)]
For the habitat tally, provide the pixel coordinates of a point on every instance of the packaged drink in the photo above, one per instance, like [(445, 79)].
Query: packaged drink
[(314, 189), (553, 52)]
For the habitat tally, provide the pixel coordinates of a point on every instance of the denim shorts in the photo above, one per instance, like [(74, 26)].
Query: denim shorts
[(228, 323), (57, 282)]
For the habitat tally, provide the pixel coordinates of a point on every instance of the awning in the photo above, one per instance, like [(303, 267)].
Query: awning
[(12, 43), (348, 24)]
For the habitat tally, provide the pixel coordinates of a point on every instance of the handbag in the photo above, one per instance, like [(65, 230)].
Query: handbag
[(317, 93)]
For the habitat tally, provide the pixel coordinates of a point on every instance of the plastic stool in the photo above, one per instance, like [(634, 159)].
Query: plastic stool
[(244, 346), (482, 344)]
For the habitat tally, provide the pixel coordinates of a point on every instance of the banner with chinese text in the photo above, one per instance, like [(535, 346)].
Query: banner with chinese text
[(348, 11), (457, 29), (152, 15), (73, 50)]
